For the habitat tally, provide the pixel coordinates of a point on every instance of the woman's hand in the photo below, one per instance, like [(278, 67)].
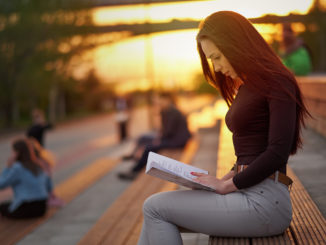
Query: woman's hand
[(220, 186)]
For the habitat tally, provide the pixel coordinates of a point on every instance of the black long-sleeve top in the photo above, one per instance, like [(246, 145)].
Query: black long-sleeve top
[(263, 130)]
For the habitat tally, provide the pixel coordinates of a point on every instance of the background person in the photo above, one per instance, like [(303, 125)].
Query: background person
[(30, 184), (39, 126), (295, 54), (122, 117), (174, 134), (265, 115)]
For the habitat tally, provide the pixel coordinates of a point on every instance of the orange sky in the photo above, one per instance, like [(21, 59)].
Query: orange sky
[(170, 59), (198, 10)]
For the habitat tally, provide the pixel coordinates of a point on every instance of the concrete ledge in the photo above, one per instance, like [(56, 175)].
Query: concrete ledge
[(314, 92)]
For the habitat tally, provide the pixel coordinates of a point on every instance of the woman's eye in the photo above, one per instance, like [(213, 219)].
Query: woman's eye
[(216, 57)]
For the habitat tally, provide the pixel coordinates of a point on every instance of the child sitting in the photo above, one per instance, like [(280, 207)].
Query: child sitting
[(30, 183)]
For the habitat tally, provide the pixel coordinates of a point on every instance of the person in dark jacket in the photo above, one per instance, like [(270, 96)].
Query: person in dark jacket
[(38, 127), (174, 134)]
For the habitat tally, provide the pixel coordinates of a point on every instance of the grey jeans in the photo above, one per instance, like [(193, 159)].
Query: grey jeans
[(262, 210)]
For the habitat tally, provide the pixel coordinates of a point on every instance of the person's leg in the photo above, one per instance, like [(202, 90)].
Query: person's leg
[(122, 131), (29, 210), (4, 208), (141, 163), (140, 145), (239, 214)]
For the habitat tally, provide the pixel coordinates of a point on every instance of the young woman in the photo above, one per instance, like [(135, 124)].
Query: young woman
[(30, 184), (265, 115)]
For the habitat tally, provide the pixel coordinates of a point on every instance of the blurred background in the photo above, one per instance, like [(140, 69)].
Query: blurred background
[(72, 58), (88, 72)]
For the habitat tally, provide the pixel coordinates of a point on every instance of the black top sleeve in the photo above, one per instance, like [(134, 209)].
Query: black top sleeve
[(281, 130)]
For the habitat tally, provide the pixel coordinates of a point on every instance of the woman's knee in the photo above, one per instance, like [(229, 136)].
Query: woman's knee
[(149, 206), (152, 206)]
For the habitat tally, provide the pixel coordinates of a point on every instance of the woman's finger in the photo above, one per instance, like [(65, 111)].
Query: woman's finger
[(197, 174)]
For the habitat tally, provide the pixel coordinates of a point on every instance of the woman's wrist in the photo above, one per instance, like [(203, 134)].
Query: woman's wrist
[(228, 175), (227, 187)]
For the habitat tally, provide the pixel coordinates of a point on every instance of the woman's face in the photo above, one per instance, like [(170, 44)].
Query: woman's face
[(219, 61)]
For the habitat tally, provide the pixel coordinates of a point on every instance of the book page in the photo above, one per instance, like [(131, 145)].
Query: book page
[(174, 171)]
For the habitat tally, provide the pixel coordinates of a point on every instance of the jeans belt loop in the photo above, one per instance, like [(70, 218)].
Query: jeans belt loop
[(276, 176), (235, 166)]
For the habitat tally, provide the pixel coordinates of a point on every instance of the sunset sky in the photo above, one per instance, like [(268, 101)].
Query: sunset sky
[(170, 59)]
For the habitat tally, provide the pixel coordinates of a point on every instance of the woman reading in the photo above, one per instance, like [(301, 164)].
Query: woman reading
[(266, 114)]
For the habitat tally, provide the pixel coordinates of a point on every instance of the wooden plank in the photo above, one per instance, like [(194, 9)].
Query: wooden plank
[(186, 157), (134, 236), (225, 153), (122, 222), (97, 233), (284, 239), (122, 230), (14, 230), (228, 241), (308, 225)]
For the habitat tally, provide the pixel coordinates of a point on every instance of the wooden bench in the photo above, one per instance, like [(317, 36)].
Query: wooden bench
[(11, 231), (122, 222), (308, 226)]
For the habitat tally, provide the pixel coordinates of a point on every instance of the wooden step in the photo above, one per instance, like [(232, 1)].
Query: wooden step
[(122, 222), (14, 230)]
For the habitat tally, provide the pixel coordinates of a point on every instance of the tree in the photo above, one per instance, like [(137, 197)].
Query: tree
[(36, 42)]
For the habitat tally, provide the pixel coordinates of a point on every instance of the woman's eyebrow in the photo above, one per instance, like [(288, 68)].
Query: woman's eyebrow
[(212, 55)]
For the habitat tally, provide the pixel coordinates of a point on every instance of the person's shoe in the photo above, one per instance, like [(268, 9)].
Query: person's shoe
[(128, 157), (56, 202), (127, 175)]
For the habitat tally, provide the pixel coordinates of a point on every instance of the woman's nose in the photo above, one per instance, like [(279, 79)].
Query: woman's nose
[(217, 67)]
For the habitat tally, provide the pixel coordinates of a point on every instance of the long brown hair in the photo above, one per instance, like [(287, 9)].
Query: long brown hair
[(26, 155), (253, 60)]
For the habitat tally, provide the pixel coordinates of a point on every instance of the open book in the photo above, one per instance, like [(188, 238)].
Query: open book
[(174, 171)]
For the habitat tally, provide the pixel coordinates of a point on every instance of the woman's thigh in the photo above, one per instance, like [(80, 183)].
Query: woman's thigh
[(207, 212)]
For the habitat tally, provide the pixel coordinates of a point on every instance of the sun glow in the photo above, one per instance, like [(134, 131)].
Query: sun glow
[(165, 60), (195, 10), (169, 60)]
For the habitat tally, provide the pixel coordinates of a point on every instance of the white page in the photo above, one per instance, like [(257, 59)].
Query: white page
[(172, 166)]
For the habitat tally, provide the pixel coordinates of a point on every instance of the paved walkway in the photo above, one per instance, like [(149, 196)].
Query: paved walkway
[(310, 166), (70, 223)]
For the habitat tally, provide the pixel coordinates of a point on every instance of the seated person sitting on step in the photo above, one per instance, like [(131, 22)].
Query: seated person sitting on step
[(30, 183), (174, 134)]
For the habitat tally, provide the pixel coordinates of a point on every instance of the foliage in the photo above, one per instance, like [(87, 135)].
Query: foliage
[(37, 40)]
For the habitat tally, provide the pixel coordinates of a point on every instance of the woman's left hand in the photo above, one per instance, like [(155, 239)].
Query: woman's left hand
[(220, 186)]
